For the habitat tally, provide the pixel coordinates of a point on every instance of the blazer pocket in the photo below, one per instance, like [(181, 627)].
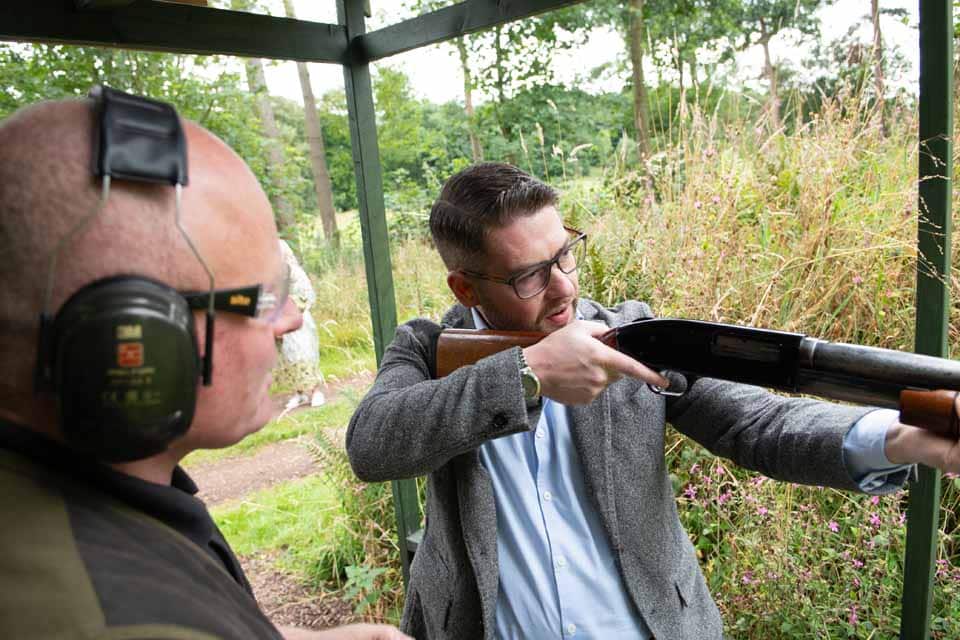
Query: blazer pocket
[(685, 583), (412, 622), (434, 585)]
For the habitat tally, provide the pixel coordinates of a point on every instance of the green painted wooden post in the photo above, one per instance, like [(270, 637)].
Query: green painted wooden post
[(376, 248), (933, 244)]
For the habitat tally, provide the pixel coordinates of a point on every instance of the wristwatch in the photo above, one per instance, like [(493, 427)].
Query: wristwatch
[(529, 380)]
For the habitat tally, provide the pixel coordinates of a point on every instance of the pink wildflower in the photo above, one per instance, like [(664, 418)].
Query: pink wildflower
[(833, 526), (941, 568)]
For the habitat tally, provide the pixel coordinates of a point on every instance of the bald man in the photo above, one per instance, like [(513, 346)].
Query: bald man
[(98, 550)]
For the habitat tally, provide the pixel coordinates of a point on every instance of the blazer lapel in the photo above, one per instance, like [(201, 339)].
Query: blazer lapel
[(593, 438)]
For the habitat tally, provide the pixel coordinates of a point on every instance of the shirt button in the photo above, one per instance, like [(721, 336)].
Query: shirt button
[(539, 434), (547, 496), (571, 629), (561, 562)]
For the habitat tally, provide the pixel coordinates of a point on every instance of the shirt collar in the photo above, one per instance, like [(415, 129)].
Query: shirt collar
[(174, 504)]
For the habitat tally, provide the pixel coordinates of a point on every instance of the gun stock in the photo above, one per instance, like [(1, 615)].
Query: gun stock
[(460, 347), (923, 388)]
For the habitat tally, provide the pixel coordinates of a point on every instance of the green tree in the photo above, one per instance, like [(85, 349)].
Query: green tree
[(318, 156), (257, 82), (669, 33), (757, 22), (518, 55), (336, 133)]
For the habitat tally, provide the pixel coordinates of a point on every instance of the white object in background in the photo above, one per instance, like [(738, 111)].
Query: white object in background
[(302, 345)]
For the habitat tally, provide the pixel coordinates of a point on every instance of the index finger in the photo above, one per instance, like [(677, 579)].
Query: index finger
[(627, 366)]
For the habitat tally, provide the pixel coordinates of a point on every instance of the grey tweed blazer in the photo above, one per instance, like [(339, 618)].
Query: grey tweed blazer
[(410, 425)]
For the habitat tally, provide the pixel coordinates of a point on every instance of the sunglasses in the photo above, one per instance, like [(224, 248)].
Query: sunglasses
[(261, 301)]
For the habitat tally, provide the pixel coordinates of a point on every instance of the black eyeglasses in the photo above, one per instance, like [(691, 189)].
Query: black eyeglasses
[(534, 279), (265, 302)]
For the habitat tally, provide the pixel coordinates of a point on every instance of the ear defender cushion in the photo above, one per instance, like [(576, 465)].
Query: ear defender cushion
[(125, 368)]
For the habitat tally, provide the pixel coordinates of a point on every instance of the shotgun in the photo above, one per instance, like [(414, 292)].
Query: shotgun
[(923, 388)]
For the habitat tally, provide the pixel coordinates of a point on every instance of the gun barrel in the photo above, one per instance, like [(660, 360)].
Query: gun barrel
[(870, 375)]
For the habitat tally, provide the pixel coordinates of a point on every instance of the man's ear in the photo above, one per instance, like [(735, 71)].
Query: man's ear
[(463, 289)]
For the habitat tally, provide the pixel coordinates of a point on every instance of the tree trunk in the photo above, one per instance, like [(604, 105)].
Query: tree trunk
[(318, 156), (641, 114), (258, 87), (694, 80), (877, 50), (468, 100), (500, 80), (773, 100), (678, 65)]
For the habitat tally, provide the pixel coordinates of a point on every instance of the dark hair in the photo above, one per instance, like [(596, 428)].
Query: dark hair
[(484, 196)]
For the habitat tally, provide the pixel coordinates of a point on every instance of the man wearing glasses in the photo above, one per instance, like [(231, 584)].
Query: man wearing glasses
[(549, 511), (102, 547)]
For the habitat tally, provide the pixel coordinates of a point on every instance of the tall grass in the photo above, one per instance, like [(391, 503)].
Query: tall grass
[(342, 311), (811, 229)]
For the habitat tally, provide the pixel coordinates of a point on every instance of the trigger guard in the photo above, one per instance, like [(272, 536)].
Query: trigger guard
[(660, 391)]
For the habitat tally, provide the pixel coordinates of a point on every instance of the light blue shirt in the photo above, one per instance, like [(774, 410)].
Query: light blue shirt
[(558, 574)]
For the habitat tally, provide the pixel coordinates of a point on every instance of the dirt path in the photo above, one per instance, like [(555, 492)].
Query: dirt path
[(233, 478), (282, 596), (286, 601)]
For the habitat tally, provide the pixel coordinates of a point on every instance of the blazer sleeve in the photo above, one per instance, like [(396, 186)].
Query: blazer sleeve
[(409, 424), (792, 439)]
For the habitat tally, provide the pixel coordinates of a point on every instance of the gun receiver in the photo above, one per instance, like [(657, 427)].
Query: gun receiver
[(922, 387)]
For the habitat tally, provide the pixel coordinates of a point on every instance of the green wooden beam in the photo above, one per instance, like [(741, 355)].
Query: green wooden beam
[(933, 301), (445, 24), (179, 28), (376, 247)]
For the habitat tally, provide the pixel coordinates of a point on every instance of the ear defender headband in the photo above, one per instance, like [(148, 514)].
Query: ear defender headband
[(121, 354)]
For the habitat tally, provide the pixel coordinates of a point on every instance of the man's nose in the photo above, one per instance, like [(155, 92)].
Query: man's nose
[(561, 284), (290, 319)]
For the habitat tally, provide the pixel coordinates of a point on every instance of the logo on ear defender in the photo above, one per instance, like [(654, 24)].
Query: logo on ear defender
[(130, 354), (129, 332)]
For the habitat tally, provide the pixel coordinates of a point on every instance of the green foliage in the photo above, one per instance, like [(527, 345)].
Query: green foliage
[(756, 21), (297, 518), (364, 548), (811, 230), (363, 587), (306, 422)]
